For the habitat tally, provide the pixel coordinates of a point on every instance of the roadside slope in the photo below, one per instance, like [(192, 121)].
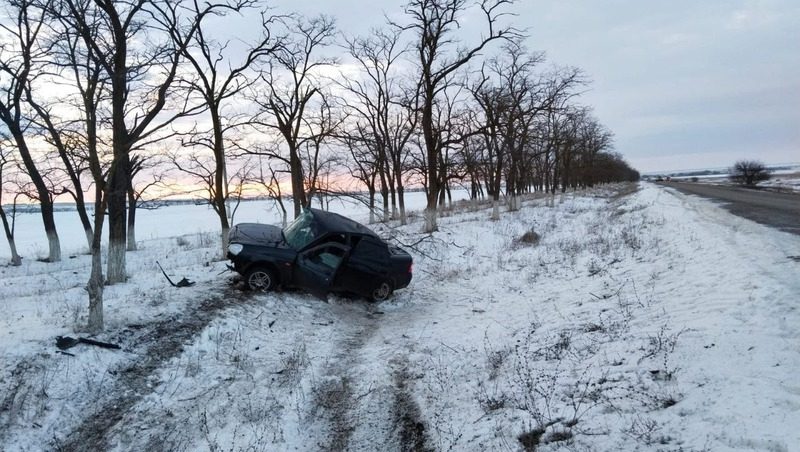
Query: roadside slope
[(640, 319)]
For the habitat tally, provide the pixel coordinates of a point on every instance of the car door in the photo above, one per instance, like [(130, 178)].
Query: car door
[(316, 268), (366, 267)]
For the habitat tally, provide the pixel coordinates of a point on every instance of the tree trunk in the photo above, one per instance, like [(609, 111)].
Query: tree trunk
[(43, 195), (16, 261), (95, 289), (131, 234), (95, 285), (385, 198), (119, 179), (495, 208), (402, 203), (430, 220), (54, 244), (382, 170), (117, 226), (432, 157), (224, 224), (220, 179), (298, 188), (224, 239), (371, 205), (80, 204), (393, 195)]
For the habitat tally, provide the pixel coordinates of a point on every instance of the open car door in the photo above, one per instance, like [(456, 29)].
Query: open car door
[(315, 268)]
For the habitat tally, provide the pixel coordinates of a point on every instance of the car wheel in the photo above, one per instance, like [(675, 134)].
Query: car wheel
[(260, 279), (382, 292)]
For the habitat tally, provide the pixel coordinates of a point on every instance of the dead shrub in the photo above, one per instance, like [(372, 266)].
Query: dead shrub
[(530, 439), (529, 238)]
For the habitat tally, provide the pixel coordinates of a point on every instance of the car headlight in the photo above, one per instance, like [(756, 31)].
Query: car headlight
[(235, 248)]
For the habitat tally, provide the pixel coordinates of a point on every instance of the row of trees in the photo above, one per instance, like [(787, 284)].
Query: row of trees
[(94, 94)]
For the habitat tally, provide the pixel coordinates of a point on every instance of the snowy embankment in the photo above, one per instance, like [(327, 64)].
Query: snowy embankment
[(643, 320)]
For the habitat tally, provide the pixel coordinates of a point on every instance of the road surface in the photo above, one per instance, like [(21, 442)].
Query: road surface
[(779, 210)]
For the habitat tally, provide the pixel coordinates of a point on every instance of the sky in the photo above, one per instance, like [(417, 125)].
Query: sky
[(682, 84)]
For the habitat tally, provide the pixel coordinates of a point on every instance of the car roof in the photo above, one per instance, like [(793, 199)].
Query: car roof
[(333, 222)]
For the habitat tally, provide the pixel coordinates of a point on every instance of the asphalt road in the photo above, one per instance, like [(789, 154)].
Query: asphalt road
[(779, 210)]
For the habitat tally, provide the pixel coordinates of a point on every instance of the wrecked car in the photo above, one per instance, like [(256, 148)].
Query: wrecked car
[(320, 252)]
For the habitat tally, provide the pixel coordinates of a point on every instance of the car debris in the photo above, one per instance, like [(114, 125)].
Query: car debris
[(182, 283), (65, 342)]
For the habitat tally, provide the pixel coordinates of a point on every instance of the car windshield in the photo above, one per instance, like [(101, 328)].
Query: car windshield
[(299, 232)]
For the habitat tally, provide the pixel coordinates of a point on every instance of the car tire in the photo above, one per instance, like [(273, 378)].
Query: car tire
[(260, 279), (382, 292)]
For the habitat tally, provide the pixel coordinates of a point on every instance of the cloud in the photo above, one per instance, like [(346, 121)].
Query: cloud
[(755, 14), (679, 39)]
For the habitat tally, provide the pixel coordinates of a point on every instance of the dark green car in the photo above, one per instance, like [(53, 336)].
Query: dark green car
[(321, 252)]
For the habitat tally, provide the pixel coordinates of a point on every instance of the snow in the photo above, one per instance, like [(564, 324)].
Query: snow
[(785, 179), (642, 320)]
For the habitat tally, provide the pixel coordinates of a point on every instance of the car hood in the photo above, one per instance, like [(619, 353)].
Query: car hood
[(257, 234)]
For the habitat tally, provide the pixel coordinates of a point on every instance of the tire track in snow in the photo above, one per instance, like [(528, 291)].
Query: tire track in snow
[(161, 341), (384, 411), (334, 402), (406, 412)]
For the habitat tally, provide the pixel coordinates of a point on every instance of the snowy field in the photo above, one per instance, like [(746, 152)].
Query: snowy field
[(172, 221), (786, 179), (641, 319)]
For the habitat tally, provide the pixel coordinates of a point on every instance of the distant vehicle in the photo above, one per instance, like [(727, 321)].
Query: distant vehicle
[(320, 252)]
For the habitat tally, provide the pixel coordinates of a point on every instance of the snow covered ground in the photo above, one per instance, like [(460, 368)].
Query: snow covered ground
[(786, 179), (789, 181), (642, 319)]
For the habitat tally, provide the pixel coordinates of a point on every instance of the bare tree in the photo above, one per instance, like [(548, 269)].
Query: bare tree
[(318, 159), (134, 45), (611, 167), (508, 98), (362, 164), (8, 226), (749, 172), (127, 59), (290, 85), (435, 22), (141, 164), (594, 138), (81, 136), (58, 134), (218, 80), (382, 113), (21, 59), (271, 181)]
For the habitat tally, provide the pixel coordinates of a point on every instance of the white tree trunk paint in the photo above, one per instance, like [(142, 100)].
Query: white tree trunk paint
[(55, 247), (116, 262), (224, 240), (131, 239), (430, 220), (16, 261)]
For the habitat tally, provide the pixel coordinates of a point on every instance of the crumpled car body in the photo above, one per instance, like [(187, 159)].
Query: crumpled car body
[(320, 252)]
